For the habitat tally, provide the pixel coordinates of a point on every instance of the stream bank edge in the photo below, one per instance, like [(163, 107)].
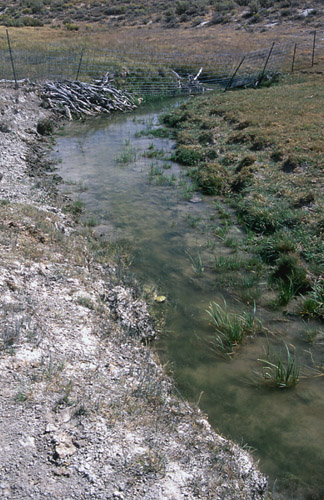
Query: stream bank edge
[(86, 409)]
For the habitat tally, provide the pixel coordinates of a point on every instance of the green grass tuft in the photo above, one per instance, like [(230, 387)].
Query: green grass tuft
[(230, 328), (279, 370)]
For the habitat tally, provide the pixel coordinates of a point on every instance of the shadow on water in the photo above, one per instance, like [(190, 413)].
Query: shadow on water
[(285, 427)]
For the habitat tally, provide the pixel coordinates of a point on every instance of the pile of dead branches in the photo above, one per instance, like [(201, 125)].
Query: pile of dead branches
[(190, 84), (77, 99)]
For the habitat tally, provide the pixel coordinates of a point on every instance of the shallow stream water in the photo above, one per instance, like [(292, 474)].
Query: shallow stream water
[(109, 165)]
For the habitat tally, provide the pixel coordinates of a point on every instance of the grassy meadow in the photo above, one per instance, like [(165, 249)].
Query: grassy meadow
[(260, 151)]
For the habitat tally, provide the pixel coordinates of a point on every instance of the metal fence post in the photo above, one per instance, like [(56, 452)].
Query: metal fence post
[(266, 64), (293, 61), (12, 61), (229, 84), (314, 45), (80, 62)]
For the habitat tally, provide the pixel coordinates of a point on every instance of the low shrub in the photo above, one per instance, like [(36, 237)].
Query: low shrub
[(71, 27), (45, 127), (31, 21)]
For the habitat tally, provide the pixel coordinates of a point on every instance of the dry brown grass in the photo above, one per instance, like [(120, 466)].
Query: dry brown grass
[(206, 41)]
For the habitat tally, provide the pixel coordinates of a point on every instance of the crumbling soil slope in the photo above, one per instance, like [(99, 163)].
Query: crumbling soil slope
[(86, 411)]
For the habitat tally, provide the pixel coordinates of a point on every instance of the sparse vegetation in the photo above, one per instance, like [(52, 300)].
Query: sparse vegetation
[(127, 155), (196, 262), (76, 208), (169, 13)]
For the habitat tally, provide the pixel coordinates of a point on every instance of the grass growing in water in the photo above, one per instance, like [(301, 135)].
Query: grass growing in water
[(279, 370), (157, 174), (230, 328), (196, 262), (127, 154)]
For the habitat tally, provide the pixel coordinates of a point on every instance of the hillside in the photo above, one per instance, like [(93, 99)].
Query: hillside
[(182, 13)]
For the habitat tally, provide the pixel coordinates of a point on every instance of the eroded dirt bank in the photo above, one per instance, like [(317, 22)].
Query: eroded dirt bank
[(86, 411)]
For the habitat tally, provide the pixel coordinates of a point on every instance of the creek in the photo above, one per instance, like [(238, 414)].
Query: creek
[(134, 193)]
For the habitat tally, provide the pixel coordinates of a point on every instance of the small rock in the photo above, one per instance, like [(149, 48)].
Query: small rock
[(4, 128), (65, 415), (118, 494), (28, 442), (65, 448), (195, 199), (50, 428)]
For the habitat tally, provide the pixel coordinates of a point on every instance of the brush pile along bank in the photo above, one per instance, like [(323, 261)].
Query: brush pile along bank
[(86, 411)]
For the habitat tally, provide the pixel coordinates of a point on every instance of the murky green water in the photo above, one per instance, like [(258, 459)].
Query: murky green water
[(284, 427)]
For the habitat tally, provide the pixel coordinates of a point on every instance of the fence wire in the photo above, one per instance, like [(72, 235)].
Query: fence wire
[(157, 72)]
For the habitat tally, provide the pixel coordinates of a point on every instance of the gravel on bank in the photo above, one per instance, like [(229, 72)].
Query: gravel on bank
[(86, 410)]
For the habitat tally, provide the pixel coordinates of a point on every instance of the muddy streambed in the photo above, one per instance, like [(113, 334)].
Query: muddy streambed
[(134, 193)]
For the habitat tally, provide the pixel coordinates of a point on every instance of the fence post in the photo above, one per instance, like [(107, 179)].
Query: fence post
[(266, 64), (12, 61), (80, 62), (314, 45), (229, 84), (293, 61)]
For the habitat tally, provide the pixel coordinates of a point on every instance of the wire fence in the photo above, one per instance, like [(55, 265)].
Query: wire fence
[(160, 73)]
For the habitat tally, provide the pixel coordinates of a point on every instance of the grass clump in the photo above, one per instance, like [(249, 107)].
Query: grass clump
[(76, 208), (242, 180), (270, 248), (127, 154), (313, 305), (196, 262), (188, 155), (291, 278), (264, 218), (211, 178), (230, 328), (279, 370)]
